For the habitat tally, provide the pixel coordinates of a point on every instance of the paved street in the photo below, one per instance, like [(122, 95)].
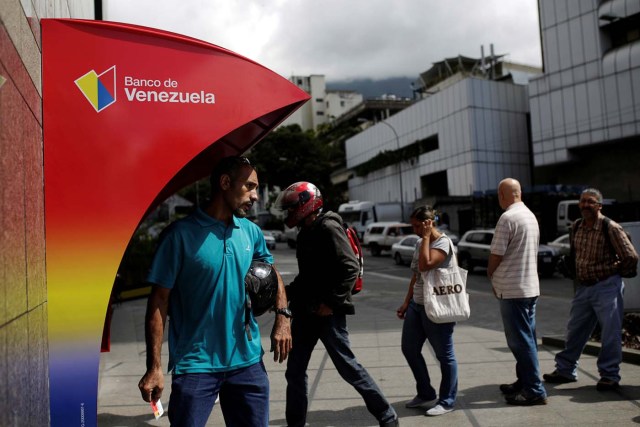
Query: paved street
[(484, 363)]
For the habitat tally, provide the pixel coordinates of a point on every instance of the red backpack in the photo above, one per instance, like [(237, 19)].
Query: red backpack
[(352, 236)]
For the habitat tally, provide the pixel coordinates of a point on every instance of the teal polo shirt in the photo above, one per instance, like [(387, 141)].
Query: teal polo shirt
[(203, 261)]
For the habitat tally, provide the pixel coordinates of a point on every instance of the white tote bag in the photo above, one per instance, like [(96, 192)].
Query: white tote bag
[(445, 292)]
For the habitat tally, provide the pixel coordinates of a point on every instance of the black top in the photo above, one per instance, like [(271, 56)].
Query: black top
[(327, 267)]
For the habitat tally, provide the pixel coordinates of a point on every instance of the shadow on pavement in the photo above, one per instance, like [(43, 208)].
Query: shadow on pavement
[(486, 396), (113, 420), (589, 394)]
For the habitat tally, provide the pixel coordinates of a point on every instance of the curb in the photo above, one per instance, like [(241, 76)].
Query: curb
[(592, 348)]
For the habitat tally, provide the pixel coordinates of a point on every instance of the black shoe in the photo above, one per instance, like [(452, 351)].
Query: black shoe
[(510, 388), (393, 423), (557, 378), (607, 385), (520, 400)]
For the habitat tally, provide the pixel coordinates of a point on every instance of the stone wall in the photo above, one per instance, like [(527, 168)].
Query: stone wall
[(24, 392)]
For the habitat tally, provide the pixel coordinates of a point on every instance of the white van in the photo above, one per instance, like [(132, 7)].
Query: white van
[(380, 236), (569, 211)]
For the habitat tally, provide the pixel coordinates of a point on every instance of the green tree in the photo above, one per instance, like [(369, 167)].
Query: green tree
[(288, 155)]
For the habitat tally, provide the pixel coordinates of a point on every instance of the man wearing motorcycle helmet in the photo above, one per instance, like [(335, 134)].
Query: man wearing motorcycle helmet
[(320, 299), (198, 279)]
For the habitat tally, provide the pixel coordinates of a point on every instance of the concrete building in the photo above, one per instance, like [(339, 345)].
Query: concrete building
[(338, 102), (324, 106), (585, 109), (313, 113), (466, 134)]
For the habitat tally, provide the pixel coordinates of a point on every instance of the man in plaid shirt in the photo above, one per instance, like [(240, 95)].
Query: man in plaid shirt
[(598, 297)]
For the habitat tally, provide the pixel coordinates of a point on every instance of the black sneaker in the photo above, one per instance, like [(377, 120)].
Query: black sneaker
[(606, 384), (521, 400), (557, 378), (393, 423), (510, 388)]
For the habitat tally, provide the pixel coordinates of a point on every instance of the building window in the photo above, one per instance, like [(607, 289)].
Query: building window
[(624, 31), (389, 157), (319, 113), (428, 144), (319, 100), (435, 184)]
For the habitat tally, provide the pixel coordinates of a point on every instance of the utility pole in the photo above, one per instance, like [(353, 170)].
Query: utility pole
[(399, 168)]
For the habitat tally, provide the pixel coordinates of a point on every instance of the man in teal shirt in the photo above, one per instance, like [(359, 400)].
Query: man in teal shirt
[(198, 276)]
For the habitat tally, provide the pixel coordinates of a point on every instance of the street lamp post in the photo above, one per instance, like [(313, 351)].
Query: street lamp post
[(399, 169)]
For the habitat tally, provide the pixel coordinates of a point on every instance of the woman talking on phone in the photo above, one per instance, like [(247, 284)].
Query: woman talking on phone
[(433, 250)]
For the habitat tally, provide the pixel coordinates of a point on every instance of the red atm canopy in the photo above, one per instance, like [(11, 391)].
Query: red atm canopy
[(131, 115)]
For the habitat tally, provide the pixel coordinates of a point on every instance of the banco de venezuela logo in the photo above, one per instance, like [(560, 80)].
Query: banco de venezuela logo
[(99, 89)]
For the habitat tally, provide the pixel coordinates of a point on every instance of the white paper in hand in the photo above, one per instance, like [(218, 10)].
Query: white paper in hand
[(158, 410)]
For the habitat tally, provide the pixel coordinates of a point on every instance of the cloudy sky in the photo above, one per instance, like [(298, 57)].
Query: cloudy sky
[(347, 39)]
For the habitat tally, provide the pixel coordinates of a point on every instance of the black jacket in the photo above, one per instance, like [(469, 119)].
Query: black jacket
[(327, 267)]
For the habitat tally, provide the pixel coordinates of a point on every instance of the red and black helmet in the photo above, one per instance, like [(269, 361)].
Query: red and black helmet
[(298, 201)]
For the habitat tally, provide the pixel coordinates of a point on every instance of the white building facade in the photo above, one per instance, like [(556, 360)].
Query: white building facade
[(585, 109), (469, 135), (313, 112), (324, 106), (339, 102)]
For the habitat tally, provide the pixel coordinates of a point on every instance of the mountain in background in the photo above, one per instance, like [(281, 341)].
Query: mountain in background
[(369, 88)]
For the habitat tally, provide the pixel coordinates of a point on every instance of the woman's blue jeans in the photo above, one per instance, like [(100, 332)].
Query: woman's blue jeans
[(519, 321), (417, 328), (601, 303)]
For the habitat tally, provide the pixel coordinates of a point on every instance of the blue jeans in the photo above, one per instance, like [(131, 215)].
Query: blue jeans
[(306, 330), (519, 321), (601, 303), (416, 329), (244, 397)]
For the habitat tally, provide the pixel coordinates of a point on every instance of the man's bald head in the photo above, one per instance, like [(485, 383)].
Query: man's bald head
[(509, 192)]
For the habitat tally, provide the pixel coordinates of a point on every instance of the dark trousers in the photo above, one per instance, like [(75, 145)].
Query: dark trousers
[(332, 332), (244, 397)]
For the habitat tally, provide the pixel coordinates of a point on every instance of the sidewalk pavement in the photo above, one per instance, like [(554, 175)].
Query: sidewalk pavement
[(484, 362)]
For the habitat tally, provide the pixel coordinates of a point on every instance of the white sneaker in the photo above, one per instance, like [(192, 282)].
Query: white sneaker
[(417, 402), (438, 410)]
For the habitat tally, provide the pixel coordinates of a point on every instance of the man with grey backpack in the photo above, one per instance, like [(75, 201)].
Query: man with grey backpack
[(601, 261)]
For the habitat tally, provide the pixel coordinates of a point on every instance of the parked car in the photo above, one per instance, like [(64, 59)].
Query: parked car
[(562, 244), (451, 235), (291, 236), (278, 234), (269, 239), (402, 251), (474, 249), (379, 236)]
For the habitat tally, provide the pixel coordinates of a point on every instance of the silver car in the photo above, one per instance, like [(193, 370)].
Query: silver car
[(402, 252), (269, 239), (475, 247), (562, 244), (277, 234)]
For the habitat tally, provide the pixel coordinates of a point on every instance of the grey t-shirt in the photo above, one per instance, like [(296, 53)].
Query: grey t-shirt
[(444, 244)]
